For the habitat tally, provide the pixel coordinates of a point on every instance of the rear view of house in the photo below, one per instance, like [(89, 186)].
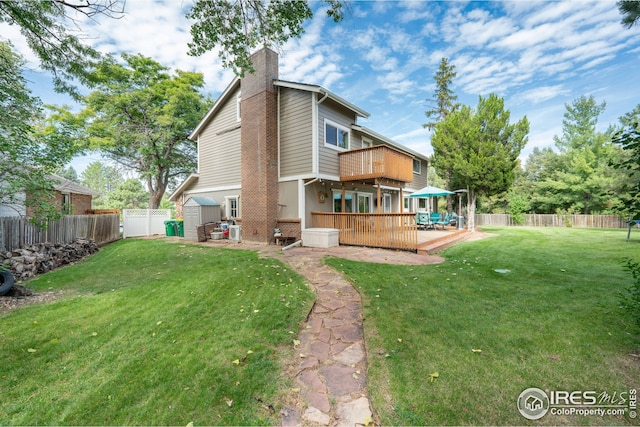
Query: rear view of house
[(288, 155)]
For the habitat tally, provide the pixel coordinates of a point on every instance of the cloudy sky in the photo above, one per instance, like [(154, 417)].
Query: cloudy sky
[(538, 55)]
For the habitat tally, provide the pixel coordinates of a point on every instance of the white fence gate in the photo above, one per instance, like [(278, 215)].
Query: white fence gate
[(144, 222)]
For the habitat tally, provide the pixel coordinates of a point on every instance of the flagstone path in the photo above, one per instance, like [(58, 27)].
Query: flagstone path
[(332, 370)]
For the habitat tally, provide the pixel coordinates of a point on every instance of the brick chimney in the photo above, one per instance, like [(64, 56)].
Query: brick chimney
[(259, 148)]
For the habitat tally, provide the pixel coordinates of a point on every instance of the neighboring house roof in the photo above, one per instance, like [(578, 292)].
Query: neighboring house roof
[(185, 184), (386, 140), (64, 185)]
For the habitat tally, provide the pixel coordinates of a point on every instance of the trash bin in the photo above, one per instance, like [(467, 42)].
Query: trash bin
[(461, 222), (180, 223), (170, 227)]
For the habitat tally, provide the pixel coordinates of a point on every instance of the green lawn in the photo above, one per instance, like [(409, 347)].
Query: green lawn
[(552, 322), (147, 334)]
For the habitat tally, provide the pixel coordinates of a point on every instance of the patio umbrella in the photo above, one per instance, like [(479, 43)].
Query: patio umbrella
[(430, 191)]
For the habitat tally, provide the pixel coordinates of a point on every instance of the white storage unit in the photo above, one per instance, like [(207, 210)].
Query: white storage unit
[(197, 211), (235, 233), (321, 237)]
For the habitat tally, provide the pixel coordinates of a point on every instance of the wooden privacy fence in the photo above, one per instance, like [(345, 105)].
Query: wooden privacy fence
[(552, 220), (384, 230), (17, 232)]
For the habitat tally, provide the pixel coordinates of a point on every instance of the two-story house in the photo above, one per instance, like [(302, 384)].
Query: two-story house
[(275, 153)]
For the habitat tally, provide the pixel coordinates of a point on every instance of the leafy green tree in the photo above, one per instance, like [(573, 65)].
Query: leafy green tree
[(628, 138), (25, 161), (129, 195), (630, 10), (579, 178), (44, 26), (140, 116), (481, 147), (236, 27), (69, 173), (104, 179)]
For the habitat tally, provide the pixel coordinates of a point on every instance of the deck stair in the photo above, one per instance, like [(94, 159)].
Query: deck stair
[(436, 245)]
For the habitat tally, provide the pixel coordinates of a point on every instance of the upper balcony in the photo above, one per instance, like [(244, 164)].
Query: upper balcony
[(376, 162)]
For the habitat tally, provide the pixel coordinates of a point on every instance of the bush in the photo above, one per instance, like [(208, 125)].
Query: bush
[(518, 205), (631, 301)]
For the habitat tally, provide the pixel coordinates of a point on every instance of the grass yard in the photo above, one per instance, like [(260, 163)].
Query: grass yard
[(153, 333), (551, 322)]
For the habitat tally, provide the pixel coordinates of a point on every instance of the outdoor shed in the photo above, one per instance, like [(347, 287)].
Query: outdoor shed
[(197, 211)]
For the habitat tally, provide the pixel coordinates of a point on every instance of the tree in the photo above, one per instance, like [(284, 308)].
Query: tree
[(443, 101), (630, 10), (24, 160), (579, 125), (140, 116), (628, 138), (102, 178), (69, 173), (129, 195), (442, 104), (582, 179), (481, 147), (236, 27), (43, 24)]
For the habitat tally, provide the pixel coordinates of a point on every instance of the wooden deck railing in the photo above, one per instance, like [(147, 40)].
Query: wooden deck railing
[(384, 230), (379, 161)]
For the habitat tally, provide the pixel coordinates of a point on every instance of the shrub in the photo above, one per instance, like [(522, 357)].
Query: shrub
[(631, 301)]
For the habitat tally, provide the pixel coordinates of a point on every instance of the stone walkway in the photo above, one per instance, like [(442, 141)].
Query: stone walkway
[(330, 371)]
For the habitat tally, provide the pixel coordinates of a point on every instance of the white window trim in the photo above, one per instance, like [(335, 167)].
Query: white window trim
[(227, 206), (238, 107), (354, 198), (370, 195), (340, 127), (366, 142), (419, 171), (386, 203)]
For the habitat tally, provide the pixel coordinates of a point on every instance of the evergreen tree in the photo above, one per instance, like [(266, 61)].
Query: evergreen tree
[(442, 104), (481, 147)]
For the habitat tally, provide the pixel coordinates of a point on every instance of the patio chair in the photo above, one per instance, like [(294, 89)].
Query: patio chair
[(435, 217), (423, 221), (445, 221), (454, 219)]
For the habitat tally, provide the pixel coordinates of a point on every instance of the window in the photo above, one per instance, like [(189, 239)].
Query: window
[(417, 166), (406, 204), (364, 203), (66, 203), (366, 143), (336, 135), (337, 201), (232, 207), (386, 203)]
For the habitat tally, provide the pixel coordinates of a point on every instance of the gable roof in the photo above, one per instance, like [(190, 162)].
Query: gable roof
[(64, 185), (216, 106)]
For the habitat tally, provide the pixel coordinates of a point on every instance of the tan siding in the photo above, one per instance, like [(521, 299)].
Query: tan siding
[(419, 180), (328, 157), (295, 132), (288, 199), (219, 148)]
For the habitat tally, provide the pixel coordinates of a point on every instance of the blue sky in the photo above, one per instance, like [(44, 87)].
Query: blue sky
[(537, 55)]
